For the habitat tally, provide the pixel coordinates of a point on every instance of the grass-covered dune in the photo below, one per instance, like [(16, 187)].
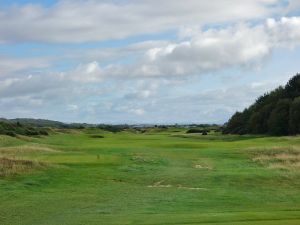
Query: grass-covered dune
[(92, 177), (14, 129)]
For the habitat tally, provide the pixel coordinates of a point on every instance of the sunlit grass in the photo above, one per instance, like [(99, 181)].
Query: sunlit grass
[(153, 177)]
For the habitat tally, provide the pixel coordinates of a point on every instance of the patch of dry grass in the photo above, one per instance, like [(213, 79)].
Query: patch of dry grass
[(145, 159), (25, 138), (286, 158), (65, 131), (10, 167), (26, 149)]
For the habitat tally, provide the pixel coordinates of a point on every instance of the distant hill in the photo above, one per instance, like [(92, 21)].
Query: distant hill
[(274, 113), (45, 123), (39, 122)]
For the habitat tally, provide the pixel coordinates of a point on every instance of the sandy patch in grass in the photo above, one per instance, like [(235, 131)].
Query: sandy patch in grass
[(191, 188), (287, 158), (202, 164), (160, 184), (205, 167), (10, 167)]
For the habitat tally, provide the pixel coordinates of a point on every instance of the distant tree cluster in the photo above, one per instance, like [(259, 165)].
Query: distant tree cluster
[(274, 113)]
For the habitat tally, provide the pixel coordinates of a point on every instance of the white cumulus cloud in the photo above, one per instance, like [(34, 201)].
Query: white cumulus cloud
[(83, 21)]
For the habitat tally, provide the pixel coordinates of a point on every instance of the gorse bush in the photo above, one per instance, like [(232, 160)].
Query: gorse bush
[(274, 113)]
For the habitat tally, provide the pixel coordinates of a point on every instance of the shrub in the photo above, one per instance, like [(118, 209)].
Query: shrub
[(204, 132), (43, 132), (10, 133), (197, 131), (193, 131)]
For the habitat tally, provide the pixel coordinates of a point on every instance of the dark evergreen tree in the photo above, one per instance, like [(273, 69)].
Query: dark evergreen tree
[(237, 124), (292, 88), (278, 123), (294, 117), (275, 113)]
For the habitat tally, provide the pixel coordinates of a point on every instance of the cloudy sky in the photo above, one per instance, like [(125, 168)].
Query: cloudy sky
[(150, 61)]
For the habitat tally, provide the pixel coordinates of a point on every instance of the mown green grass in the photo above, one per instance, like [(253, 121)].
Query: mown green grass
[(150, 178)]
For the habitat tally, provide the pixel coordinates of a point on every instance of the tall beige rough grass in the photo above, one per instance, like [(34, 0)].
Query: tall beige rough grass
[(287, 158), (9, 167)]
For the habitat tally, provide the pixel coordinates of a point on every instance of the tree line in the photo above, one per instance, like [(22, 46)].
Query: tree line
[(274, 113)]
